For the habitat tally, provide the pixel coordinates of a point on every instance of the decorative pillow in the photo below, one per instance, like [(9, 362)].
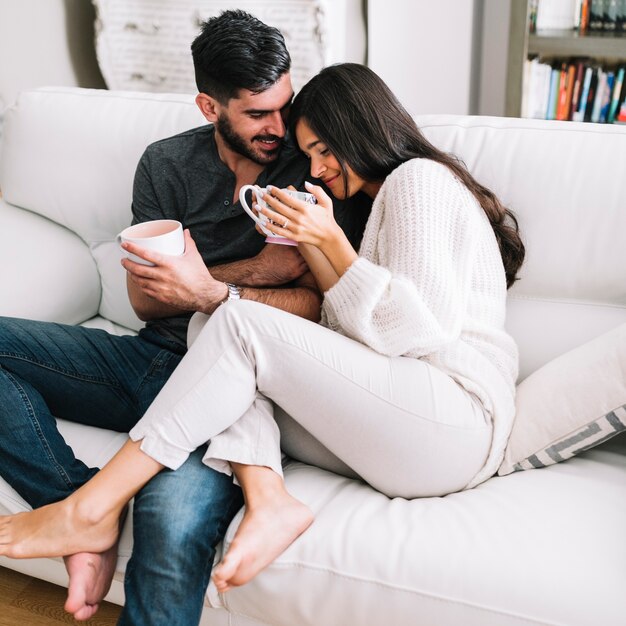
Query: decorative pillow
[(569, 405)]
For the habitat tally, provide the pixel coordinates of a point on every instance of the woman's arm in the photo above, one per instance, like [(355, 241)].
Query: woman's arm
[(323, 272), (322, 242), (407, 294)]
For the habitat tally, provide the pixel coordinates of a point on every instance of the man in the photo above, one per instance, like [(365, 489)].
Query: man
[(89, 376)]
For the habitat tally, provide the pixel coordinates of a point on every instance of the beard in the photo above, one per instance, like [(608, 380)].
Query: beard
[(241, 146)]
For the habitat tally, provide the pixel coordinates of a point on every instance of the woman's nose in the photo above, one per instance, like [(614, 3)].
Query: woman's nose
[(317, 168)]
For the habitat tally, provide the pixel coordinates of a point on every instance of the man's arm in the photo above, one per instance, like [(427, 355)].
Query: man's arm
[(183, 284), (274, 266), (303, 299)]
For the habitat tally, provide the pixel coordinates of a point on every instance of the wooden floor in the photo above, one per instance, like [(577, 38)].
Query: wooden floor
[(26, 601)]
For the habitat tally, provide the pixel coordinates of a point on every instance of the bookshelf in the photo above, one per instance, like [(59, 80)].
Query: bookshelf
[(556, 44)]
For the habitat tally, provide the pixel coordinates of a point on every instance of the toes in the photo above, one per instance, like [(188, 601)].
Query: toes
[(227, 568), (86, 612), (221, 584)]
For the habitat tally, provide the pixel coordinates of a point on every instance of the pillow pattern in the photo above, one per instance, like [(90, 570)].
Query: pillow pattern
[(569, 405)]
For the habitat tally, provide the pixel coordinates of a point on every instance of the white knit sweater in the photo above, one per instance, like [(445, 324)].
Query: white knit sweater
[(429, 284)]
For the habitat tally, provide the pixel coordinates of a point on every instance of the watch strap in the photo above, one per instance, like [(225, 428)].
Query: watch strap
[(234, 293)]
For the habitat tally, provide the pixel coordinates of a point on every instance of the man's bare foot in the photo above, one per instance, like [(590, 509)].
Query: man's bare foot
[(265, 532), (90, 580), (58, 529)]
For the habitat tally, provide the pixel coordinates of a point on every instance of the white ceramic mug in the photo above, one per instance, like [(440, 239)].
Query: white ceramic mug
[(162, 236), (262, 220)]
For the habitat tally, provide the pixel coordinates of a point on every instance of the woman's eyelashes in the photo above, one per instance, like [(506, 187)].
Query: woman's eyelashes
[(321, 152)]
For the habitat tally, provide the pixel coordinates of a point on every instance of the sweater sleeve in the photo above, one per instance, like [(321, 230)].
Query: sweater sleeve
[(407, 292)]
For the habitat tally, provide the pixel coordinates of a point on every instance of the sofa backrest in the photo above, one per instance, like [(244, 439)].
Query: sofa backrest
[(566, 182), (70, 154)]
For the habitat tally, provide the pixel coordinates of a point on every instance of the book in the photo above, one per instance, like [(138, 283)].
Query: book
[(620, 23), (583, 21), (569, 90), (617, 93), (591, 95), (605, 101), (596, 15), (546, 82), (621, 98), (555, 14), (609, 21), (561, 106), (532, 15), (553, 96), (534, 98), (580, 70), (599, 96), (579, 115)]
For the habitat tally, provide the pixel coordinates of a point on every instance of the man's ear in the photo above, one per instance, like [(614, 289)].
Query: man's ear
[(209, 107)]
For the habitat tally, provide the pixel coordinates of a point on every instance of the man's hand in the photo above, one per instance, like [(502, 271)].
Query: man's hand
[(182, 282), (276, 265)]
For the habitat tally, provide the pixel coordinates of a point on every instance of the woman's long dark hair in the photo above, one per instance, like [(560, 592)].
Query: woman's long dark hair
[(363, 124)]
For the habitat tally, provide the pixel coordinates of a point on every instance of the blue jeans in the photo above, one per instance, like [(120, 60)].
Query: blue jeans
[(89, 376), (179, 518)]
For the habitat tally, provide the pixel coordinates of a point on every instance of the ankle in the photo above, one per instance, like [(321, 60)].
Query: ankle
[(88, 511), (260, 485)]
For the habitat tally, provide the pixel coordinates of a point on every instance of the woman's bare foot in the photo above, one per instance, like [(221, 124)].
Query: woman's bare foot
[(59, 529), (90, 580), (265, 532)]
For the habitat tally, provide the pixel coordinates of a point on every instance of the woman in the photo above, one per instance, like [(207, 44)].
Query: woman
[(409, 381)]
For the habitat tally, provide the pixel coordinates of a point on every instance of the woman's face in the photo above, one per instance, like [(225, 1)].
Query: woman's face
[(325, 166)]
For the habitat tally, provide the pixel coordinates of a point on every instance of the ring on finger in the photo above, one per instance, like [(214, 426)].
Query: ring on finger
[(286, 222)]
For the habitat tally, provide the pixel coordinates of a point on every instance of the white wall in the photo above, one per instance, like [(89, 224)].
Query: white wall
[(442, 56), (46, 42), (423, 51)]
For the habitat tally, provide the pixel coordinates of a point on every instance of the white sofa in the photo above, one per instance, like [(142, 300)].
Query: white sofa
[(543, 546)]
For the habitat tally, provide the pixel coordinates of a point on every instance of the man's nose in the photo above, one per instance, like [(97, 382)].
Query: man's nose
[(276, 125)]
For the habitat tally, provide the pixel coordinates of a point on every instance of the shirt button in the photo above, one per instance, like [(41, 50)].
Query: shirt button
[(226, 202)]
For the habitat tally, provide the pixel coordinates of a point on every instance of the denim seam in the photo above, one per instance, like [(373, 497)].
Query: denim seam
[(222, 527), (60, 370), (158, 364), (39, 432)]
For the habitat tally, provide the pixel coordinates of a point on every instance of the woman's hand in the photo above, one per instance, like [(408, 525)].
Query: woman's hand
[(301, 221)]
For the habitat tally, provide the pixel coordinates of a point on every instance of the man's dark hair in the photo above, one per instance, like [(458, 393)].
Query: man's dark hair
[(237, 51)]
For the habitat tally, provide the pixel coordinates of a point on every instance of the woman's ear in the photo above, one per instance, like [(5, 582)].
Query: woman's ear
[(209, 107)]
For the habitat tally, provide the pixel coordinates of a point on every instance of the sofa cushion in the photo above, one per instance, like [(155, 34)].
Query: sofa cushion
[(515, 551), (571, 404), (46, 282), (483, 557)]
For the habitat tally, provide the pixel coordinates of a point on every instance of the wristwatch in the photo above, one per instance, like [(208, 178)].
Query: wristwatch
[(234, 293)]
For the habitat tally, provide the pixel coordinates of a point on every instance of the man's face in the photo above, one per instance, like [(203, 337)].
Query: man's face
[(253, 125)]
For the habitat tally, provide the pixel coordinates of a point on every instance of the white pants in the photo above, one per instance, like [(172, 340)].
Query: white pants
[(398, 423)]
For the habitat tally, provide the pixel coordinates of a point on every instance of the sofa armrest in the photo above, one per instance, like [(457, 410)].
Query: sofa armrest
[(48, 272)]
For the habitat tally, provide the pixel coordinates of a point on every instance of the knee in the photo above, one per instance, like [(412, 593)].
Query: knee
[(236, 314)]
